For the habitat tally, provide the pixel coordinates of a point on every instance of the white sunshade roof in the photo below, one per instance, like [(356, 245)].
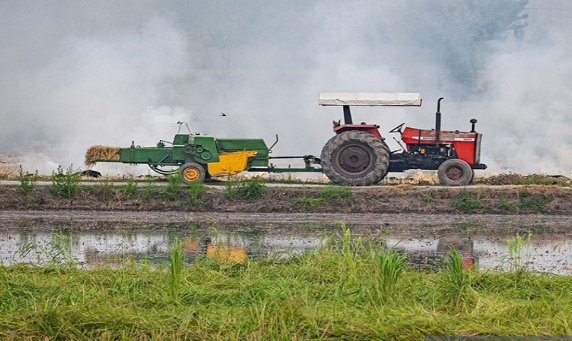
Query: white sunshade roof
[(371, 99)]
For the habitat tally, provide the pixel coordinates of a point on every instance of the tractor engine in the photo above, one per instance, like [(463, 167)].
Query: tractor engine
[(429, 149)]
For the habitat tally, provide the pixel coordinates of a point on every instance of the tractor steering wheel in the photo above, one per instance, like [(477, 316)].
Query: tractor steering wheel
[(397, 129)]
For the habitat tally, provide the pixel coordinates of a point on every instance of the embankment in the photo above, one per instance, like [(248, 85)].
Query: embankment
[(328, 199)]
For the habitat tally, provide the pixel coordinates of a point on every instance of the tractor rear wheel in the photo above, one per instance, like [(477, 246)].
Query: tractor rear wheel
[(355, 158), (192, 172), (455, 172)]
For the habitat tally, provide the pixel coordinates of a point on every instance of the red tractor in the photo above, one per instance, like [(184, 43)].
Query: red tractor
[(358, 155)]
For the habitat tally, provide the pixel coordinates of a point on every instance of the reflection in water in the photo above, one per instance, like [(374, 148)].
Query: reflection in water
[(92, 248), (546, 253)]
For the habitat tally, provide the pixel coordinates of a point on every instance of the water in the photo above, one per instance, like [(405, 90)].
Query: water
[(48, 243)]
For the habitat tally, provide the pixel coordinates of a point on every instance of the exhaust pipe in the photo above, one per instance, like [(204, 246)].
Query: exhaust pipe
[(438, 120), (473, 122)]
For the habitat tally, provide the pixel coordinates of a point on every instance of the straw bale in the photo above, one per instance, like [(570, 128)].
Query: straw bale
[(99, 153)]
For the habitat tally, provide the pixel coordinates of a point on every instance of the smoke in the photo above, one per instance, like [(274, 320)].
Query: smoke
[(75, 74), (530, 115)]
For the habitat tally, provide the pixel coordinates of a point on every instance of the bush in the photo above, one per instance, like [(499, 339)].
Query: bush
[(194, 192), (105, 189), (171, 191), (130, 188), (65, 184), (149, 190), (229, 185), (28, 182)]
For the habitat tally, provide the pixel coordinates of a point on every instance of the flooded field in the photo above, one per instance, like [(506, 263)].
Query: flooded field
[(92, 239)]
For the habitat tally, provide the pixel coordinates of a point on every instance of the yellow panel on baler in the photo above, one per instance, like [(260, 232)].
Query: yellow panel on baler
[(230, 163)]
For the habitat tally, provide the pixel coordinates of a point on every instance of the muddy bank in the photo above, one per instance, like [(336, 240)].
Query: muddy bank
[(505, 200), (414, 223)]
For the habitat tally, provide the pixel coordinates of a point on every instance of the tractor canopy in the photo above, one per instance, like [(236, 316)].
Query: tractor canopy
[(370, 99)]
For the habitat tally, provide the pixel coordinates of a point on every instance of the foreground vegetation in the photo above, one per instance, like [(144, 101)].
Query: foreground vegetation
[(349, 289)]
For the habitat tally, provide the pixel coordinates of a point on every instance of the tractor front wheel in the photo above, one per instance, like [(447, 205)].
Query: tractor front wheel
[(355, 158), (192, 172), (455, 172)]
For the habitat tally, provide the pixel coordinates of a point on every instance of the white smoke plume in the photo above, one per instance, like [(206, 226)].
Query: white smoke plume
[(79, 73)]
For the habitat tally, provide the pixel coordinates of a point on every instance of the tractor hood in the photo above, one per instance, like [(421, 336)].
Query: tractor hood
[(371, 99)]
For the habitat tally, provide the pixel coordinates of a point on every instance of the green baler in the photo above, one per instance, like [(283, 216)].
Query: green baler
[(199, 157)]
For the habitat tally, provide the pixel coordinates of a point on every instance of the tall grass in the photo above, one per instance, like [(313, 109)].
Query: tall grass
[(348, 253), (517, 252), (306, 296), (455, 282), (390, 267), (175, 269)]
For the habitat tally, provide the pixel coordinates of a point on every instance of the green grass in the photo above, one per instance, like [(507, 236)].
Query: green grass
[(251, 189), (65, 184), (306, 202), (105, 189), (507, 205), (194, 191), (533, 202), (130, 189), (175, 269), (467, 202), (171, 190), (149, 190), (330, 195), (518, 252), (390, 267), (428, 197), (329, 293), (455, 282), (28, 182), (335, 195)]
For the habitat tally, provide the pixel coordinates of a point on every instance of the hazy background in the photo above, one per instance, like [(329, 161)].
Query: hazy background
[(79, 73)]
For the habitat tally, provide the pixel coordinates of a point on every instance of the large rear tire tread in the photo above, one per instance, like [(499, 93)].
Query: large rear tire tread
[(462, 171), (377, 149)]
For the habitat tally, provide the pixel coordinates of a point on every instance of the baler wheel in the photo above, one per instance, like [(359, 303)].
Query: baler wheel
[(192, 172), (455, 172), (355, 158)]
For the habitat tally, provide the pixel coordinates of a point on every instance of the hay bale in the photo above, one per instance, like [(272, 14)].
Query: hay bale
[(101, 153)]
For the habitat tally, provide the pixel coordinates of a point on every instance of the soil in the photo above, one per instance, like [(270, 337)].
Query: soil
[(413, 224), (503, 200)]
